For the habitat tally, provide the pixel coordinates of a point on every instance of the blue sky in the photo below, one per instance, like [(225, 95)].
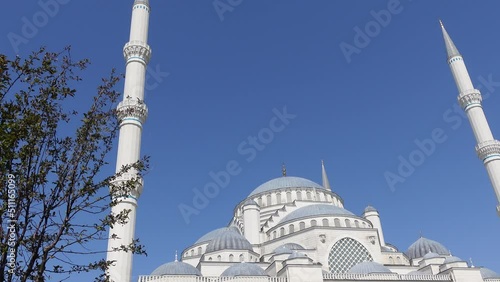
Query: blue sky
[(214, 81)]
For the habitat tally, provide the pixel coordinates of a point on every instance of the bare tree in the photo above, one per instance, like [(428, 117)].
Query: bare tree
[(56, 199)]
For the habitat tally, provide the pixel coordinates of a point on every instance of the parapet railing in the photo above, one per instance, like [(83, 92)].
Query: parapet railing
[(179, 278), (386, 276)]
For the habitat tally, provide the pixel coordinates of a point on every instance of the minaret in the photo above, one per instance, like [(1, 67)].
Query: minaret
[(487, 148), (324, 177), (132, 113)]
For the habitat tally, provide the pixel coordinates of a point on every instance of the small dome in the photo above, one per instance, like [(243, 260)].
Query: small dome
[(286, 182), (423, 245), (229, 240), (487, 273), (368, 267), (431, 255), (145, 2), (176, 268), (249, 202), (287, 248), (244, 269), (451, 259), (214, 233), (316, 210), (370, 209), (296, 254)]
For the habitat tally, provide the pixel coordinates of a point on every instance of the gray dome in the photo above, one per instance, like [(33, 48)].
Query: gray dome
[(229, 240), (287, 248), (176, 268), (315, 210), (423, 245), (250, 202), (296, 254), (286, 182), (370, 209), (244, 269), (214, 233), (431, 255), (488, 273), (451, 259), (368, 267), (145, 2)]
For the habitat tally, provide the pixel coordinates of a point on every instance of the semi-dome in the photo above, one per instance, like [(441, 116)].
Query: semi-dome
[(229, 240), (451, 259), (176, 268), (215, 233), (286, 182), (368, 267), (316, 210), (244, 269), (296, 254), (431, 255), (423, 245), (487, 273), (287, 248)]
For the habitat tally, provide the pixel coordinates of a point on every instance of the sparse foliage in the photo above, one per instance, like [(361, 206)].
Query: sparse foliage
[(56, 199)]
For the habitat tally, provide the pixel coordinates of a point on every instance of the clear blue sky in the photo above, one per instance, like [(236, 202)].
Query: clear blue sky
[(226, 77)]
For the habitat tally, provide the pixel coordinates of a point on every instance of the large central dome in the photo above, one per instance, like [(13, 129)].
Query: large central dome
[(286, 182)]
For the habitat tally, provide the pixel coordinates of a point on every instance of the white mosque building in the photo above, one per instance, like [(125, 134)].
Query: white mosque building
[(291, 229)]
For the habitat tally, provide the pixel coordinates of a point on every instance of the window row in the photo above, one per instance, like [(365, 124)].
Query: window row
[(290, 196), (325, 222)]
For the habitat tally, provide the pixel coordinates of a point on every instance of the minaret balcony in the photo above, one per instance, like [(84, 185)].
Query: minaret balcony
[(137, 51), (132, 108), (488, 150), (469, 99)]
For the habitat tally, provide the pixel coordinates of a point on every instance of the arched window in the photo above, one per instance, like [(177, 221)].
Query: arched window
[(219, 258), (288, 197), (364, 224), (210, 259), (302, 225), (278, 198), (199, 251), (309, 196), (346, 253), (231, 258), (325, 222), (299, 195), (282, 231), (192, 252), (291, 228), (317, 196), (398, 260), (260, 201), (274, 234), (356, 223), (314, 222), (337, 222), (391, 260), (269, 201), (347, 223), (242, 258)]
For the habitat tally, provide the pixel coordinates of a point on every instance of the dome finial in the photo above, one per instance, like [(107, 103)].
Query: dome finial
[(176, 260), (471, 263), (283, 169), (451, 49)]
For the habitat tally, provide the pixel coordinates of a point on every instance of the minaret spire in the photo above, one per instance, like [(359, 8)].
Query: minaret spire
[(324, 177), (469, 98), (132, 113), (451, 49)]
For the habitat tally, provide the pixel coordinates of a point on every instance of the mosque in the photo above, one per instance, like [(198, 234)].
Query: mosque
[(291, 229)]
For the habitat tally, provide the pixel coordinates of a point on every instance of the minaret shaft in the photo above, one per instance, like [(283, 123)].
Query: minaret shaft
[(488, 149), (132, 113)]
